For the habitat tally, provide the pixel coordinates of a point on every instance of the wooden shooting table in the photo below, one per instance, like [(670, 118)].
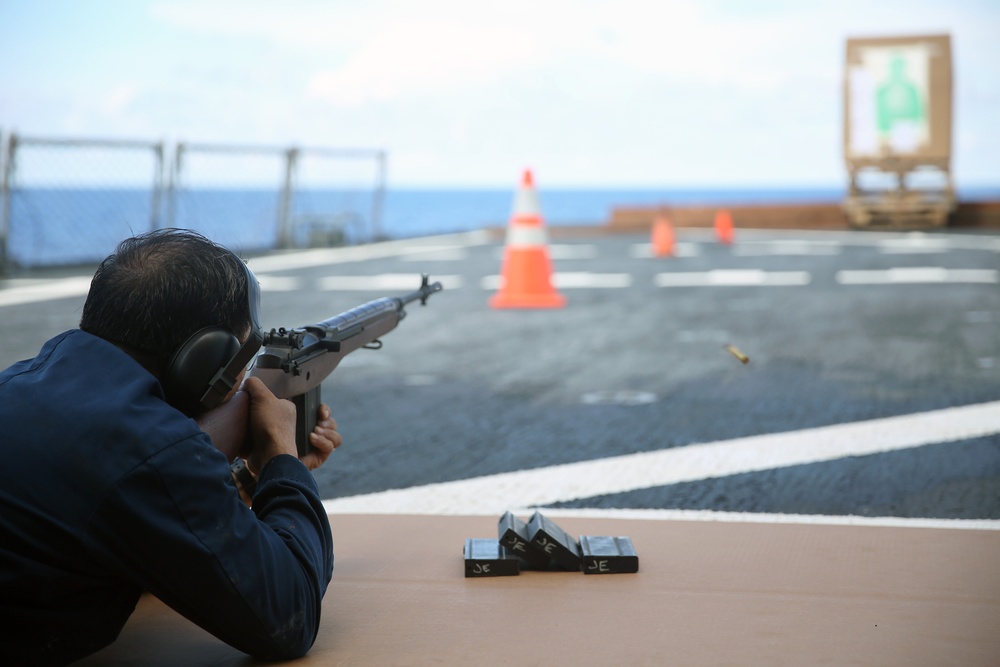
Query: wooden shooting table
[(707, 593)]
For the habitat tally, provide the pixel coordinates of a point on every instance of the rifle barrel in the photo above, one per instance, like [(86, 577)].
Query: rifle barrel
[(425, 291)]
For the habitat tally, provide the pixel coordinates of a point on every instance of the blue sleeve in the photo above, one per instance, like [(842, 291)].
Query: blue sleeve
[(253, 578)]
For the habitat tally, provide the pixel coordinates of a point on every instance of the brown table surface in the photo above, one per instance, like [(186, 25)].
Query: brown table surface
[(707, 593)]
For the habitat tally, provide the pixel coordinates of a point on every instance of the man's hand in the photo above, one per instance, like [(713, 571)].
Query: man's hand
[(272, 429), (272, 425), (323, 439)]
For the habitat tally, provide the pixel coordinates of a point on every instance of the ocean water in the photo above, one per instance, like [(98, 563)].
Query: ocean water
[(420, 212), (48, 226)]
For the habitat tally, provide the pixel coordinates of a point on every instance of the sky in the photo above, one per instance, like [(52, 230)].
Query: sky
[(586, 93)]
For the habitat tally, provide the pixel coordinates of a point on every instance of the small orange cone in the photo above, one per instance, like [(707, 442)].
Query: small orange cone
[(663, 240), (724, 227), (526, 273)]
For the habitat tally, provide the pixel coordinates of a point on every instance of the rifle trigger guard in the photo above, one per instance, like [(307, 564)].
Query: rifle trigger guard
[(374, 345)]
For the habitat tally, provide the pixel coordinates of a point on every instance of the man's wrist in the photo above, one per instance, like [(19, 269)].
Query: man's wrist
[(246, 483)]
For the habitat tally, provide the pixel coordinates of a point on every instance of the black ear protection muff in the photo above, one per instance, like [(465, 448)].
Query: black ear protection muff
[(204, 369)]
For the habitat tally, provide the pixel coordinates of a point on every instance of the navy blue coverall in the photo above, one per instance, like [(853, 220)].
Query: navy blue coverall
[(107, 491)]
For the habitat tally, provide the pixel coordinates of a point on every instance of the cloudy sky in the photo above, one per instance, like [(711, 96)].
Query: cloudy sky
[(661, 93)]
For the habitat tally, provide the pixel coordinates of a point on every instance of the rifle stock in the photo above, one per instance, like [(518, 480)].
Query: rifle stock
[(227, 425), (293, 364)]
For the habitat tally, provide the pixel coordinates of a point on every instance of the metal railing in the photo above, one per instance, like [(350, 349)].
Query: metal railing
[(70, 201)]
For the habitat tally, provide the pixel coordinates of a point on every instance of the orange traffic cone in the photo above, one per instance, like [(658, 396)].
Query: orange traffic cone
[(526, 273), (663, 241), (724, 227)]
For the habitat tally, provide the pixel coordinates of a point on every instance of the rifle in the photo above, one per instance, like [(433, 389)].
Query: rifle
[(293, 364)]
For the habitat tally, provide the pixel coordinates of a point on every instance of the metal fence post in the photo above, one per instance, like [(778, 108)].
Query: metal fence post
[(173, 178), (379, 197), (285, 208), (8, 168), (154, 214)]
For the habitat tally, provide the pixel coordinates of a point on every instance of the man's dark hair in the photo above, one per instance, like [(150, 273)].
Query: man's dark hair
[(159, 288)]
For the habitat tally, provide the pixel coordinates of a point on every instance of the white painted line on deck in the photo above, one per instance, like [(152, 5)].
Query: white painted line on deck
[(582, 279), (920, 244), (45, 291), (732, 278), (572, 251), (270, 283), (895, 241), (539, 487), (436, 254), (762, 517), (571, 280), (561, 251), (917, 275), (344, 255), (642, 250), (793, 248), (382, 282)]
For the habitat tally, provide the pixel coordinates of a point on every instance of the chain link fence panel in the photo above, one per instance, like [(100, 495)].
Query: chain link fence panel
[(71, 201)]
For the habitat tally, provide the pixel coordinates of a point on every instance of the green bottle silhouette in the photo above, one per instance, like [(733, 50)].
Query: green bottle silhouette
[(898, 99)]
